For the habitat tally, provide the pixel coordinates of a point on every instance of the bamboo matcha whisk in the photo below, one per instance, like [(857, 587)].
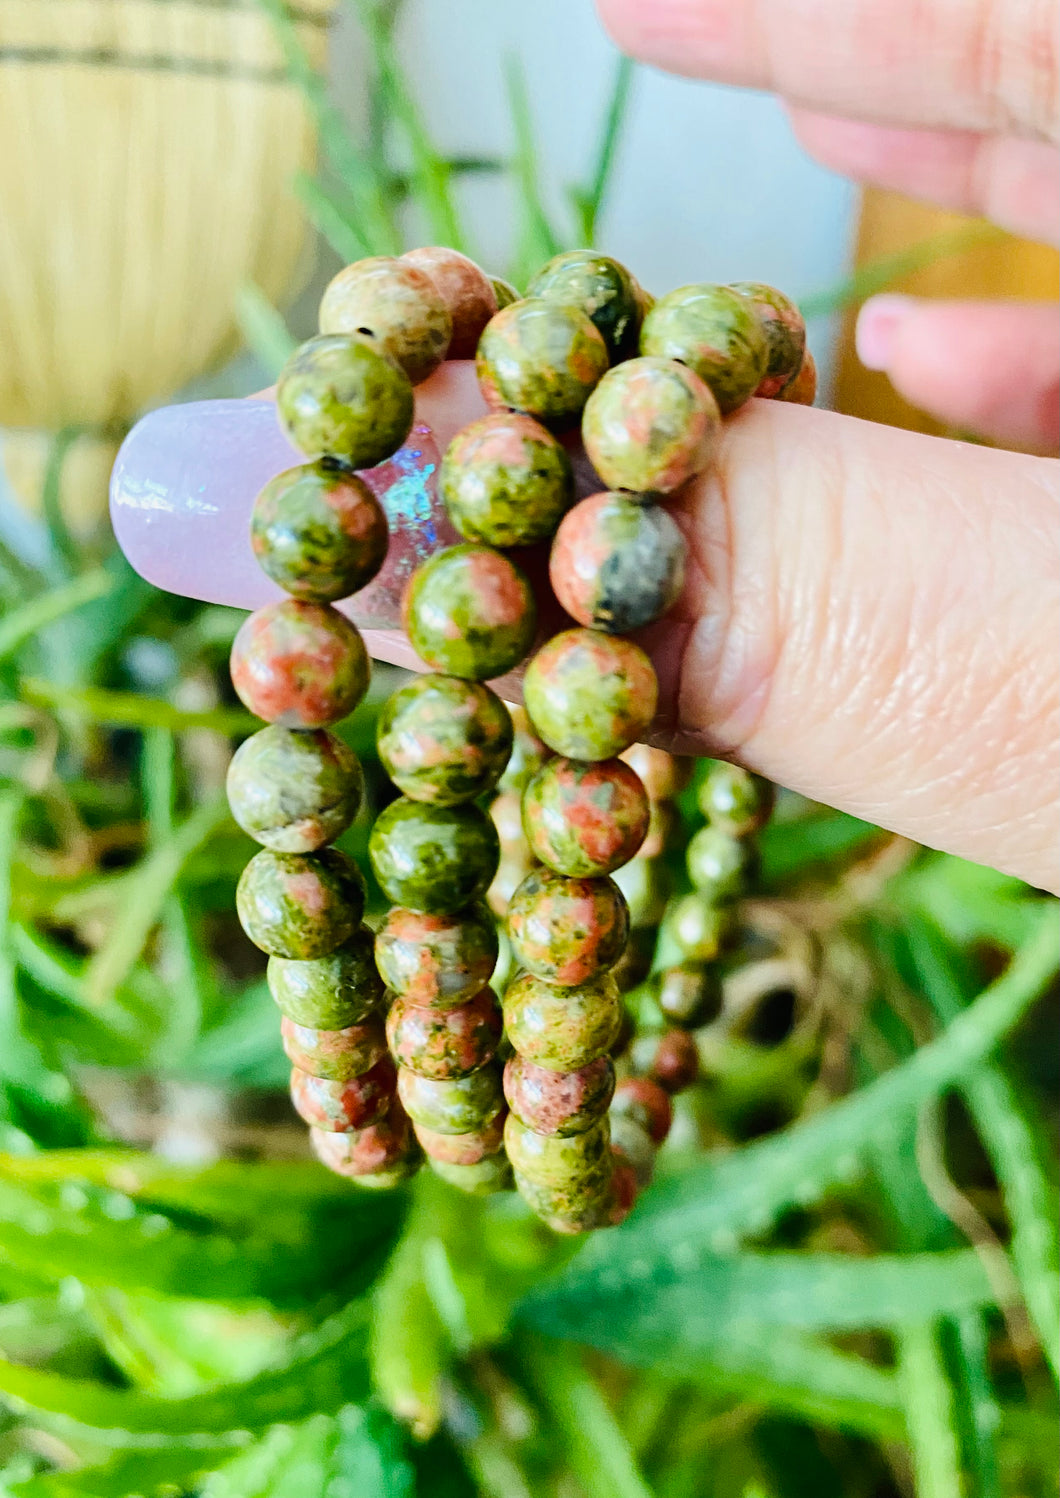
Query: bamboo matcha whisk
[(149, 151)]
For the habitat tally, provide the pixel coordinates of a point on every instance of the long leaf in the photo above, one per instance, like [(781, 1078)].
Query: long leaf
[(929, 1414), (39, 612), (129, 710), (589, 200)]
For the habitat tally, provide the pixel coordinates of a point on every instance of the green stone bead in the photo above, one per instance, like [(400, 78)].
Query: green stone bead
[(601, 287), (301, 665), (319, 532), (341, 397), (719, 864), (617, 563), (801, 389), (543, 358), (689, 995), (484, 1178), (433, 858), (436, 961), (785, 330), (505, 292), (444, 740), (698, 928), (647, 1103), (470, 612), (562, 1029), (564, 930), (398, 305), (734, 800), (456, 1105), (558, 1159), (463, 1149), (337, 1055), (590, 695), (716, 332), (506, 480), (631, 1141), (342, 1107), (378, 1156), (650, 426), (294, 790), (300, 905), (444, 1043), (573, 1207), (585, 819), (647, 885), (329, 993)]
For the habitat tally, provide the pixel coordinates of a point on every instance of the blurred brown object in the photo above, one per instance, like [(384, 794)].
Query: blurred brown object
[(997, 268)]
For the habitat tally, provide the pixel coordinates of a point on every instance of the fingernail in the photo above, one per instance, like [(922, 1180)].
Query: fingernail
[(184, 485), (878, 323)]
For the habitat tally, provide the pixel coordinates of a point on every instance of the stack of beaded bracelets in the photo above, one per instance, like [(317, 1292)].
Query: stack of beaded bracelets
[(567, 353)]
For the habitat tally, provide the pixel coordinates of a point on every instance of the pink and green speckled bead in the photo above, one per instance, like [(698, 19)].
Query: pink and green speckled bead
[(689, 995), (602, 288), (719, 864), (301, 665), (558, 1102), (717, 333), (585, 819), (565, 930), (562, 1029), (453, 1105), (470, 612), (735, 800), (465, 288), (670, 1059), (437, 859), (506, 481), (444, 1043), (397, 304), (444, 740), (651, 425), (337, 1055), (647, 1103), (580, 1161), (294, 791), (785, 330), (617, 563), (436, 961), (300, 905), (590, 695), (483, 1178), (332, 992), (802, 390), (381, 1154), (342, 397), (543, 358), (319, 532), (463, 1149), (339, 1107), (699, 927)]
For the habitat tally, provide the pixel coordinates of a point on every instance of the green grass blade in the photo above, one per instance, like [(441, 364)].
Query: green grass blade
[(538, 239), (19, 1061), (130, 710), (66, 558), (589, 200), (330, 215), (43, 610), (264, 331), (880, 274), (929, 1414), (981, 1411)]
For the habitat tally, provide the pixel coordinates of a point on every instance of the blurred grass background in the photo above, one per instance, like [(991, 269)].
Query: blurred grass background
[(844, 1282)]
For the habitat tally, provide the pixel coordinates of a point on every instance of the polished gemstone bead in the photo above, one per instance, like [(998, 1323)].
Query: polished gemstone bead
[(650, 426), (664, 775), (301, 665), (344, 398), (332, 992), (689, 994), (506, 480), (699, 927), (719, 864), (558, 1102), (397, 304), (319, 532), (483, 1178), (570, 1207), (444, 740), (470, 612), (647, 1103), (585, 819), (527, 756), (590, 695), (785, 331), (455, 1105), (671, 1059), (557, 1160), (436, 961), (716, 332), (617, 563), (300, 905), (463, 1149), (504, 291), (601, 287), (444, 1043), (562, 1029), (335, 1054), (543, 358), (338, 1107), (566, 930), (646, 884), (465, 288), (631, 1142), (294, 790), (802, 390), (382, 1154), (436, 859), (734, 800)]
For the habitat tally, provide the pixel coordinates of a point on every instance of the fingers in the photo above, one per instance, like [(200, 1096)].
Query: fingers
[(989, 66), (1015, 183), (992, 368)]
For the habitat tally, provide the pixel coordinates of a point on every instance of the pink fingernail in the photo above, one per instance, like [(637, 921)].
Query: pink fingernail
[(878, 322)]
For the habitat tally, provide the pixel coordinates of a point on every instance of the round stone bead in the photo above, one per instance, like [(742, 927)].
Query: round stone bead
[(300, 905), (631, 1142), (527, 756), (485, 1177), (455, 1105), (735, 800), (635, 963), (504, 291), (543, 358), (397, 304), (337, 1055), (664, 828), (465, 289), (506, 480), (617, 563), (650, 426), (463, 1149), (567, 930), (785, 331), (571, 1206), (646, 1103), (329, 993), (555, 1159), (646, 884), (698, 927), (437, 961), (802, 390), (436, 859), (384, 1148), (716, 332), (444, 1043), (301, 665), (664, 775), (585, 819), (444, 740), (719, 864), (590, 695), (671, 1059), (558, 1102), (338, 1107), (601, 287), (294, 790), (470, 612), (344, 398), (319, 532), (689, 995), (562, 1029)]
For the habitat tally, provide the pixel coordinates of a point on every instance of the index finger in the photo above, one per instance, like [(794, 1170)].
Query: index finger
[(989, 66)]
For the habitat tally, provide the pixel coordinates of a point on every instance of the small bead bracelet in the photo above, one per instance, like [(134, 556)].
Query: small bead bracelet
[(398, 1048)]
